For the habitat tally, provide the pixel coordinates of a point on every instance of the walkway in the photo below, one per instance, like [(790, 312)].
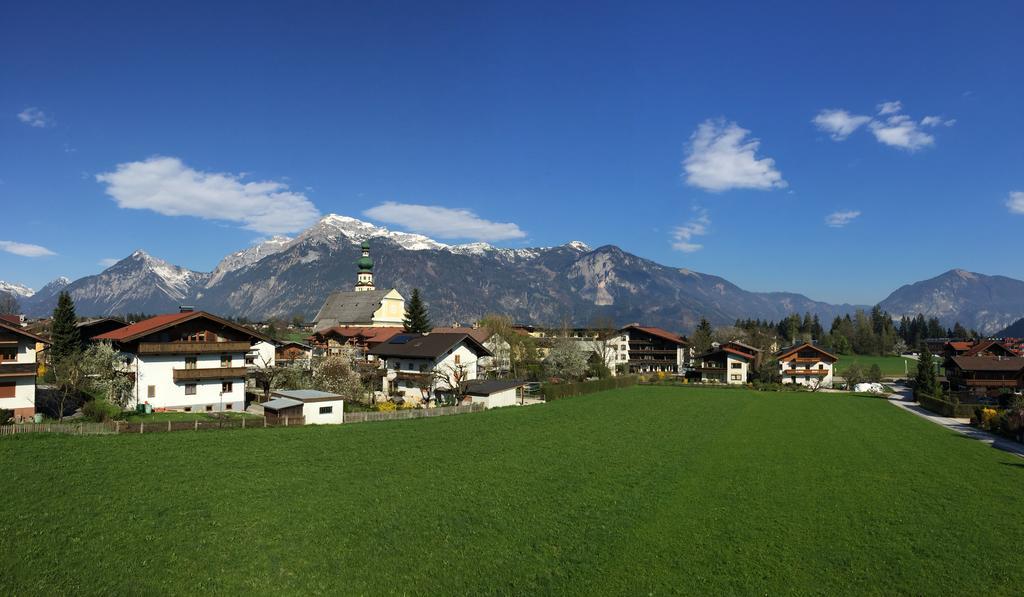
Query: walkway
[(903, 398)]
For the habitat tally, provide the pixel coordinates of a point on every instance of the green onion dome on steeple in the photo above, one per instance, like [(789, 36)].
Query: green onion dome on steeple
[(365, 262)]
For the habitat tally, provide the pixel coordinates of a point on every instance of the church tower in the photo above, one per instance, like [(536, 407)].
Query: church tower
[(364, 279)]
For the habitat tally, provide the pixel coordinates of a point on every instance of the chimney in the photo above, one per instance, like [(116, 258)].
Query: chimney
[(186, 309)]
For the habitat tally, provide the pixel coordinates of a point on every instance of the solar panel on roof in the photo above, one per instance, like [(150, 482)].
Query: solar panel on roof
[(400, 339)]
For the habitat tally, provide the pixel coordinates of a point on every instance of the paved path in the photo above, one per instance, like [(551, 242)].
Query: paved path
[(904, 399)]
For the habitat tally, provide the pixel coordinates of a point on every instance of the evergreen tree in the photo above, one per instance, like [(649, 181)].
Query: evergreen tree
[(702, 336), (926, 380), (65, 338), (417, 320)]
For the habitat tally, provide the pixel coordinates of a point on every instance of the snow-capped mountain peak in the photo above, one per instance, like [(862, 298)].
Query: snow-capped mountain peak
[(247, 257), (334, 225), (578, 246), (18, 290)]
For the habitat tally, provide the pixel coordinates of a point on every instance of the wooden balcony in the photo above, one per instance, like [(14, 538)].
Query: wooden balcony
[(210, 373), (805, 373), (17, 369), (151, 348)]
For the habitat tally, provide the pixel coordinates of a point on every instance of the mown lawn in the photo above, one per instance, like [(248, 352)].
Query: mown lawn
[(891, 366), (635, 491)]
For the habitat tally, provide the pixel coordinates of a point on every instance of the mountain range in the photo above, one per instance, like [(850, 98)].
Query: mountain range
[(569, 284)]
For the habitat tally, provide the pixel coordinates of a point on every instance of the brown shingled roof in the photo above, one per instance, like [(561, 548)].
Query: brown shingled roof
[(161, 322), (988, 363)]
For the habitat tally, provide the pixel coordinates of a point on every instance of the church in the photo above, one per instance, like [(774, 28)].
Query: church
[(365, 306)]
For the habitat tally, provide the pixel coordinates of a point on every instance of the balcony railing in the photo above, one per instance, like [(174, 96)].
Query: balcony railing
[(209, 373), (192, 347), (17, 369), (804, 372)]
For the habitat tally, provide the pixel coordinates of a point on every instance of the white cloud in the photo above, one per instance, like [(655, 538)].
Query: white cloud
[(33, 116), (24, 249), (936, 121), (683, 236), (890, 107), (1016, 202), (900, 131), (169, 187), (443, 222), (721, 157), (839, 123), (108, 261), (841, 218)]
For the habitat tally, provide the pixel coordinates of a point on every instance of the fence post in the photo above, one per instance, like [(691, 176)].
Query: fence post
[(117, 427), (286, 421), (168, 424), (195, 427), (142, 426), (243, 422), (264, 421)]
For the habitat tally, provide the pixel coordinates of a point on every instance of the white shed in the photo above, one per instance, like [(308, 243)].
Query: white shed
[(318, 408), (493, 393)]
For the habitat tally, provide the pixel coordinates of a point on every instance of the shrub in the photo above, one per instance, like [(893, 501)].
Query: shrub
[(385, 407), (6, 416), (554, 391), (100, 410), (989, 419), (407, 404)]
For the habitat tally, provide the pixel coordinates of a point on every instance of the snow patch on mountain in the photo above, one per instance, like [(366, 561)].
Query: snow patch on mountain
[(18, 290), (247, 257)]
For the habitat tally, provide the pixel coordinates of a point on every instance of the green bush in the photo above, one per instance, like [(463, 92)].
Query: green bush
[(101, 410), (6, 416), (563, 390)]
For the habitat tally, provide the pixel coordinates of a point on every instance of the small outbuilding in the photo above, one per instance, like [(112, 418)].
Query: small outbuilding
[(318, 408), (493, 393)]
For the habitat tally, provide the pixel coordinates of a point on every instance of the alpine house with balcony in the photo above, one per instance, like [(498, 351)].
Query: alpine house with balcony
[(190, 361), (806, 364), (18, 370)]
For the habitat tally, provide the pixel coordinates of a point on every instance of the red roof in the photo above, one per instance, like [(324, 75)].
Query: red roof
[(160, 322), (373, 335), (667, 335), (11, 319), (960, 346), (988, 345), (785, 352)]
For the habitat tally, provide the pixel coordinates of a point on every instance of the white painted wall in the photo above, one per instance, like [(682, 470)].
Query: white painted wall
[(311, 411), (826, 380), (497, 400), (446, 363), (391, 311), (736, 370), (158, 370), (24, 386)]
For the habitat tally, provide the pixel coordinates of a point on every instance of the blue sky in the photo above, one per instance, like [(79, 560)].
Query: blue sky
[(723, 138)]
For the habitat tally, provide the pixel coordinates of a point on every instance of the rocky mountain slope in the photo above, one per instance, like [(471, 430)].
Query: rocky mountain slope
[(985, 303), (570, 284)]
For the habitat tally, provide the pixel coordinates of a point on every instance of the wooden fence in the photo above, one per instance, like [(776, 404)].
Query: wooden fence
[(117, 427), (416, 413)]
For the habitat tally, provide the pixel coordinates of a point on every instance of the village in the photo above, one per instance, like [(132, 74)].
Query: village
[(367, 351)]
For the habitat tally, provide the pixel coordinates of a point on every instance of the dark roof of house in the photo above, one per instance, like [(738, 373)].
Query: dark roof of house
[(161, 322), (4, 326), (429, 346), (486, 387), (664, 334), (992, 345), (351, 306), (481, 335), (293, 343), (371, 334), (749, 348), (785, 352), (725, 350), (967, 363)]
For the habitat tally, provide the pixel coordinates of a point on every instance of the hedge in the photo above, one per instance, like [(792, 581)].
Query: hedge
[(564, 390), (945, 407)]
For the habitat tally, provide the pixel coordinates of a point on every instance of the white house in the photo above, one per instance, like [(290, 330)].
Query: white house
[(495, 393), (725, 364), (500, 360), (190, 361), (415, 366), (645, 349), (807, 365), (18, 370), (316, 407)]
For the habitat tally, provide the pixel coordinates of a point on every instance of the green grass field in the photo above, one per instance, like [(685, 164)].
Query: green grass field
[(636, 491), (891, 366)]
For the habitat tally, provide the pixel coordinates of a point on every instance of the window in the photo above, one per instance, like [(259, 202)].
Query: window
[(458, 359), (188, 409), (735, 377), (227, 406), (209, 408), (9, 353), (190, 362), (225, 360), (821, 367), (151, 392), (326, 410), (8, 389), (736, 365), (226, 387), (190, 389)]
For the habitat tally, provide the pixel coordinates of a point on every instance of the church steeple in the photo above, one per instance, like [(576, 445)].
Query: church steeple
[(364, 279)]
